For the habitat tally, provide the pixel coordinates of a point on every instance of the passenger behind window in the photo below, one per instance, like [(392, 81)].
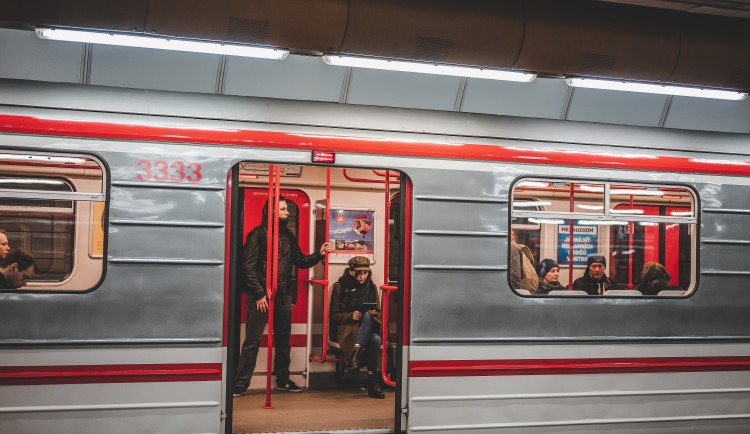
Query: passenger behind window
[(16, 268), (655, 278), (4, 246), (549, 275), (594, 280), (522, 271), (356, 317)]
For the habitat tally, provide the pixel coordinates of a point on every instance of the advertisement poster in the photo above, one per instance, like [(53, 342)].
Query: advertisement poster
[(352, 233), (585, 238), (96, 249)]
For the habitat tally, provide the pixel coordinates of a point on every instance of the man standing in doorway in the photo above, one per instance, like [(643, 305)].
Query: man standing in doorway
[(253, 282)]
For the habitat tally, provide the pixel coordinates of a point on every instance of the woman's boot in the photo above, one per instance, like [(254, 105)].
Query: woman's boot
[(356, 363), (373, 386)]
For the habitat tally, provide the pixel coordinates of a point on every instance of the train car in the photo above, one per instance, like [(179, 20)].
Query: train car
[(136, 205)]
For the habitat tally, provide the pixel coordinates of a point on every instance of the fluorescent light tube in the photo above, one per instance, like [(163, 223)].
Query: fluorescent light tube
[(44, 159), (528, 203), (547, 221), (662, 89), (160, 43), (427, 68)]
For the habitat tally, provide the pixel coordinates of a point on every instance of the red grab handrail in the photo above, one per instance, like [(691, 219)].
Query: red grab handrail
[(384, 356), (373, 181), (380, 173)]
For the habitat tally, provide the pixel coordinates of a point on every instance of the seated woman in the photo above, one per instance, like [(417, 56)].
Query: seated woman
[(549, 275), (355, 314), (654, 279)]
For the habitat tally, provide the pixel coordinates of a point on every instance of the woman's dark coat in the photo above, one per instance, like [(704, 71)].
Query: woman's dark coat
[(347, 295), (543, 288)]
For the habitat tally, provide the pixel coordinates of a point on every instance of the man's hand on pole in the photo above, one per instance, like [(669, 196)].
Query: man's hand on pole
[(262, 305)]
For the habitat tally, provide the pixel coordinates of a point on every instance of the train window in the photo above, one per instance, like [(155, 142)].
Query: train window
[(53, 207), (626, 237)]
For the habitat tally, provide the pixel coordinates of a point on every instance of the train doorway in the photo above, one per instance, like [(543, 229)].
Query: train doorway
[(359, 212)]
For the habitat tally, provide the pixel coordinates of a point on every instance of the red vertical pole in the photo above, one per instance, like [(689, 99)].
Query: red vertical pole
[(386, 292), (326, 302), (570, 241), (387, 224), (328, 227), (274, 277), (631, 228), (269, 229), (270, 250)]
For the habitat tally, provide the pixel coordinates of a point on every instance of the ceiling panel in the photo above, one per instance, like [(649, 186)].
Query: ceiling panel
[(403, 89), (24, 56), (612, 107), (709, 115), (154, 69), (27, 57), (296, 77), (542, 98)]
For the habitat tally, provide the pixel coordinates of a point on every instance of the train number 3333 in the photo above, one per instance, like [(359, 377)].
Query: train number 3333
[(176, 171)]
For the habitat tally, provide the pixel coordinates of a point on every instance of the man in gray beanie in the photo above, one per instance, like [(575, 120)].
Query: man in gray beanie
[(594, 280)]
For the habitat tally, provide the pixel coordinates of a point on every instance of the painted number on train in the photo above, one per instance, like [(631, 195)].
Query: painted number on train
[(162, 171)]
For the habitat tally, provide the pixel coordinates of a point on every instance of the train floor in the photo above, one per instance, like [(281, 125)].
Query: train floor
[(321, 410)]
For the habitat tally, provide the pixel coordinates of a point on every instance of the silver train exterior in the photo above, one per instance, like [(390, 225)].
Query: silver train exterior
[(477, 357)]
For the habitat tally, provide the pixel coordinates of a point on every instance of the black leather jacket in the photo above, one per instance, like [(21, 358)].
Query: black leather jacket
[(253, 267), (592, 286)]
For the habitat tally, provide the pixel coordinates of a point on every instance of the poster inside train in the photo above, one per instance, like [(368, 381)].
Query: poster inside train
[(352, 233)]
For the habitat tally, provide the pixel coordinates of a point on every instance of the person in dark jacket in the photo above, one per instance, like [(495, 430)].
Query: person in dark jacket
[(253, 282), (594, 280), (549, 275), (356, 318), (655, 278), (16, 268)]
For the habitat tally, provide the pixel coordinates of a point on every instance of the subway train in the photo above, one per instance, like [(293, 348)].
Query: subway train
[(136, 205)]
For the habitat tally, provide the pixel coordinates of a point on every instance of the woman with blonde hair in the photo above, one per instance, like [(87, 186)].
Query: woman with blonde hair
[(4, 246)]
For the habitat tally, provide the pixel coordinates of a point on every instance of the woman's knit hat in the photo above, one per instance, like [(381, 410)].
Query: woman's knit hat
[(545, 265)]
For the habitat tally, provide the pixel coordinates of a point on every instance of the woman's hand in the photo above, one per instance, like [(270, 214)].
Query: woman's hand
[(326, 247), (356, 315)]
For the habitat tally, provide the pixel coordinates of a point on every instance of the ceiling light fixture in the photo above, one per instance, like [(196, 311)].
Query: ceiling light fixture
[(662, 89), (160, 43), (427, 68)]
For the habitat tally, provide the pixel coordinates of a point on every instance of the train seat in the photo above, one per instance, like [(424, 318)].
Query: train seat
[(567, 292), (623, 293), (522, 291), (670, 293)]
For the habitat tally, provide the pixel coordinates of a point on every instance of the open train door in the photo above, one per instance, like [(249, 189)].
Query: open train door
[(370, 204)]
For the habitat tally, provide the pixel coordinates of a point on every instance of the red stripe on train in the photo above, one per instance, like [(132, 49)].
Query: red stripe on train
[(480, 368), (90, 374), (77, 128)]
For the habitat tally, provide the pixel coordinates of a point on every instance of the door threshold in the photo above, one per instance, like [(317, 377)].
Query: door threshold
[(343, 431)]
